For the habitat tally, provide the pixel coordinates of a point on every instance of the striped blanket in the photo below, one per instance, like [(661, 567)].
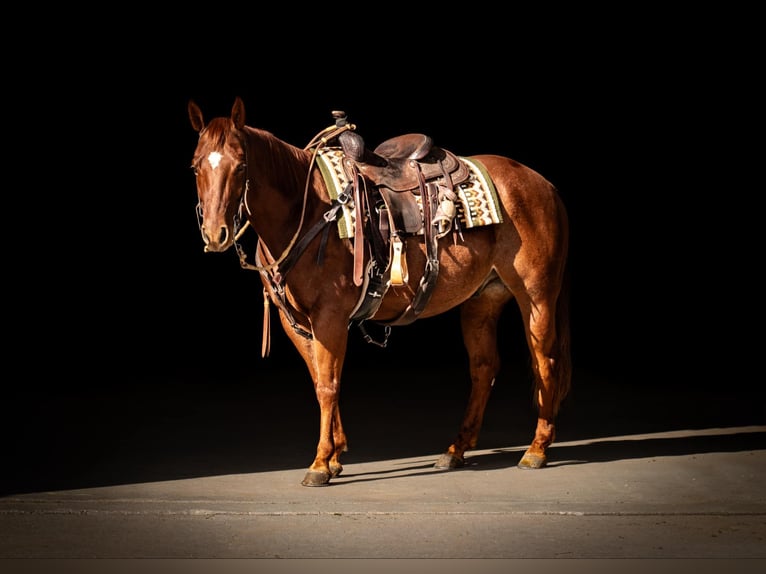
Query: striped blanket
[(477, 202)]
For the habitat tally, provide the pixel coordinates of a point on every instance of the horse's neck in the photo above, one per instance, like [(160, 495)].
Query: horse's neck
[(277, 179)]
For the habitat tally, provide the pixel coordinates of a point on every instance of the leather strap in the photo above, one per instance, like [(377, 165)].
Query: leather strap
[(358, 228), (266, 340), (427, 283), (276, 276)]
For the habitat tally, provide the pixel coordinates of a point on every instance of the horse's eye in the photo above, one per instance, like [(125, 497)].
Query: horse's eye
[(241, 167), (195, 170)]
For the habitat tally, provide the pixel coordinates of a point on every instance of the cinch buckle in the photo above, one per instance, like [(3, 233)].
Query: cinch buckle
[(344, 197)]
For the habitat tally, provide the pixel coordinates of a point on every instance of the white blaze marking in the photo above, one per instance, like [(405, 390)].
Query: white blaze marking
[(214, 158)]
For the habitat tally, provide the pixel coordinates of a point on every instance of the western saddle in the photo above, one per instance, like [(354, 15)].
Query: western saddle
[(404, 187)]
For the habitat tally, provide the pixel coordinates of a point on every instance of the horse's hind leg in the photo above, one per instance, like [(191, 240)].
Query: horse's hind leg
[(547, 328), (478, 316)]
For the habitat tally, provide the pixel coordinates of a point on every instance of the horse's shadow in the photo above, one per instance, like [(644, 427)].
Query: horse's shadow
[(170, 432), (584, 452)]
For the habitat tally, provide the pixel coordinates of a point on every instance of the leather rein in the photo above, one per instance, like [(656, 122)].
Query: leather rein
[(275, 270)]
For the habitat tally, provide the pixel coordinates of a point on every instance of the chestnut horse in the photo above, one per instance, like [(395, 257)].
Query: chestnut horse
[(248, 177)]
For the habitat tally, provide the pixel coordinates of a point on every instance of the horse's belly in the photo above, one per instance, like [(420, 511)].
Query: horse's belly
[(463, 269)]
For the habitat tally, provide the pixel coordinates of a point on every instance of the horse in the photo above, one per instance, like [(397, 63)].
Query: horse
[(408, 252)]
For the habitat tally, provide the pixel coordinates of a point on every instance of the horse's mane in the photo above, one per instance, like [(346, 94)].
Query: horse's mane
[(279, 161), (284, 162)]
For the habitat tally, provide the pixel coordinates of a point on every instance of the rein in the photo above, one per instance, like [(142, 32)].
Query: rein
[(294, 249), (321, 138)]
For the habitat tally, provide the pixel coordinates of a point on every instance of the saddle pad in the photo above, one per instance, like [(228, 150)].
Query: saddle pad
[(477, 203), (330, 162)]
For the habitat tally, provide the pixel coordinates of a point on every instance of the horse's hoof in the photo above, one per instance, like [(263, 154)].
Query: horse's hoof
[(532, 461), (316, 478), (448, 462), (335, 470)]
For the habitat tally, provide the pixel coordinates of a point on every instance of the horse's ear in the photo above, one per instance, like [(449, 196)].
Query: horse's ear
[(238, 113), (195, 115)]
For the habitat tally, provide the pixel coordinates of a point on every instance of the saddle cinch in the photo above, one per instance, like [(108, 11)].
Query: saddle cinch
[(405, 186)]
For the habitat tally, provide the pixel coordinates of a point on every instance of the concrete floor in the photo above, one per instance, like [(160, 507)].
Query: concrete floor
[(174, 470)]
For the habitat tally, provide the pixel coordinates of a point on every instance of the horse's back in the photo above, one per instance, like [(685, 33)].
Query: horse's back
[(532, 241), (531, 204), (515, 181)]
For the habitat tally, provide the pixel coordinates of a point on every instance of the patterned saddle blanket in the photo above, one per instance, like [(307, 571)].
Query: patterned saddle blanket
[(476, 205)]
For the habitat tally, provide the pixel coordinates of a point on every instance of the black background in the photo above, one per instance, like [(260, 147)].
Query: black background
[(644, 123)]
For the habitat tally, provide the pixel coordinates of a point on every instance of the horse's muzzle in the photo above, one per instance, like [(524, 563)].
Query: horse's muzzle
[(217, 244)]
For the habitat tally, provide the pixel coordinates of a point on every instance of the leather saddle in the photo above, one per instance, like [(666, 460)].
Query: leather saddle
[(404, 186), (399, 168), (395, 163)]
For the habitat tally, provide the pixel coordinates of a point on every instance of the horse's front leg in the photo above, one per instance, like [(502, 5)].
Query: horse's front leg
[(327, 366), (332, 438), (324, 368)]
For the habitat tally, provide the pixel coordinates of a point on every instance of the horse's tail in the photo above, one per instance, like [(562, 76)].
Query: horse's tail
[(562, 366)]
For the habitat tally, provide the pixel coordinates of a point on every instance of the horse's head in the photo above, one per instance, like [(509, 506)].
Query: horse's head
[(220, 166)]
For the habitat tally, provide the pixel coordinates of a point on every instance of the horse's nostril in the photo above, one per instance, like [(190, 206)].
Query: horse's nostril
[(223, 235)]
